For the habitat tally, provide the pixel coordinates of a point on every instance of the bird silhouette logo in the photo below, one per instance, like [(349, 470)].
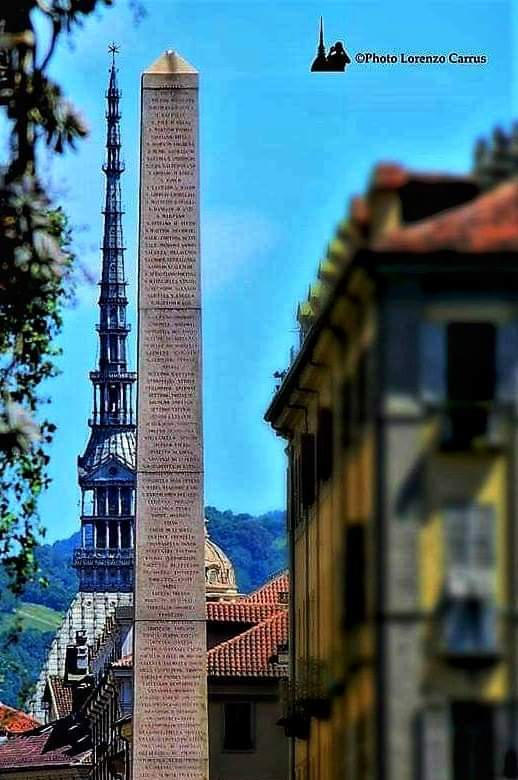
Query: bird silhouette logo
[(335, 61)]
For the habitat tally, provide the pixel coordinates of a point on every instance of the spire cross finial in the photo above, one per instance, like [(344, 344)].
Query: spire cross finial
[(113, 49)]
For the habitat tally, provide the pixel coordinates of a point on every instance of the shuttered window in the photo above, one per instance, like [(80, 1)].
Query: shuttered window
[(507, 361), (238, 726), (433, 362), (355, 576), (470, 549), (307, 469), (325, 444)]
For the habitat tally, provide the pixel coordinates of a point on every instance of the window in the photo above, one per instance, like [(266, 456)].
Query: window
[(348, 413), (507, 361), (307, 469), (125, 535), (113, 501), (470, 549), (364, 389), (88, 535), (471, 380), (113, 536), (469, 624), (433, 362), (471, 369), (112, 316), (113, 398), (101, 501), (355, 576), (88, 503), (114, 352), (293, 518), (101, 534), (473, 741), (126, 501), (238, 726), (325, 444)]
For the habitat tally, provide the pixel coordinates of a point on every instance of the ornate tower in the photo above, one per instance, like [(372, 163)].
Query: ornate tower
[(107, 469)]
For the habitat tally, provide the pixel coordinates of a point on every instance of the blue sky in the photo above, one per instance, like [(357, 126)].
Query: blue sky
[(282, 151)]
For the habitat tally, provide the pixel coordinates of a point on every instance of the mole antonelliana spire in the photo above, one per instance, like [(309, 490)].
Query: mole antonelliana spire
[(107, 469), (320, 62), (104, 558)]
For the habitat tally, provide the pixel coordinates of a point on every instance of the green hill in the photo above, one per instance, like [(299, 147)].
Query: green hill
[(31, 616)]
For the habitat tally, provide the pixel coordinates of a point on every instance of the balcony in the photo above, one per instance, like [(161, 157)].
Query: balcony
[(104, 557), (471, 426), (91, 519), (113, 373), (468, 633), (295, 720), (313, 689)]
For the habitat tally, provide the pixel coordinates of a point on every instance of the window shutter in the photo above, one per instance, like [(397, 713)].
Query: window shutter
[(456, 528), (307, 464), (325, 444), (470, 550), (482, 550), (433, 362), (355, 576), (507, 361)]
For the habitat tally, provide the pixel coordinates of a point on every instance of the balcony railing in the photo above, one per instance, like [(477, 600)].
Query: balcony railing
[(99, 556), (91, 519)]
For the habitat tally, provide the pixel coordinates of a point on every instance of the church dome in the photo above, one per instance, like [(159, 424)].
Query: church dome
[(220, 578)]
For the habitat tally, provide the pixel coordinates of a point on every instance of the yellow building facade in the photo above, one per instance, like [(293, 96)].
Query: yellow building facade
[(399, 414)]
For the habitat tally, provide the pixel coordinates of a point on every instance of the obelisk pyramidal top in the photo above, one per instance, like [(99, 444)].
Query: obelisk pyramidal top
[(170, 716)]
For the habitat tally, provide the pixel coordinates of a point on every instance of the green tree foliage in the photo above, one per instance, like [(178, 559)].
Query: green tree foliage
[(54, 563), (22, 657), (34, 262), (255, 545)]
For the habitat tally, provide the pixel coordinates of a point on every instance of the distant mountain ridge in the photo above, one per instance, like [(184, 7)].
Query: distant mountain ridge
[(257, 547)]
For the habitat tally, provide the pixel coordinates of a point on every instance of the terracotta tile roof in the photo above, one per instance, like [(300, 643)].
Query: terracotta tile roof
[(487, 224), (242, 611), (270, 593), (61, 696), (359, 210), (250, 654), (394, 176), (44, 746), (126, 662), (14, 721)]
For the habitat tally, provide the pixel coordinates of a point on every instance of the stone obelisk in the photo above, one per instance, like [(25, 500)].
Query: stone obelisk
[(170, 710)]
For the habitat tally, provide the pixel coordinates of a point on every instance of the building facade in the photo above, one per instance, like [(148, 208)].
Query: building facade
[(399, 413), (106, 470)]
